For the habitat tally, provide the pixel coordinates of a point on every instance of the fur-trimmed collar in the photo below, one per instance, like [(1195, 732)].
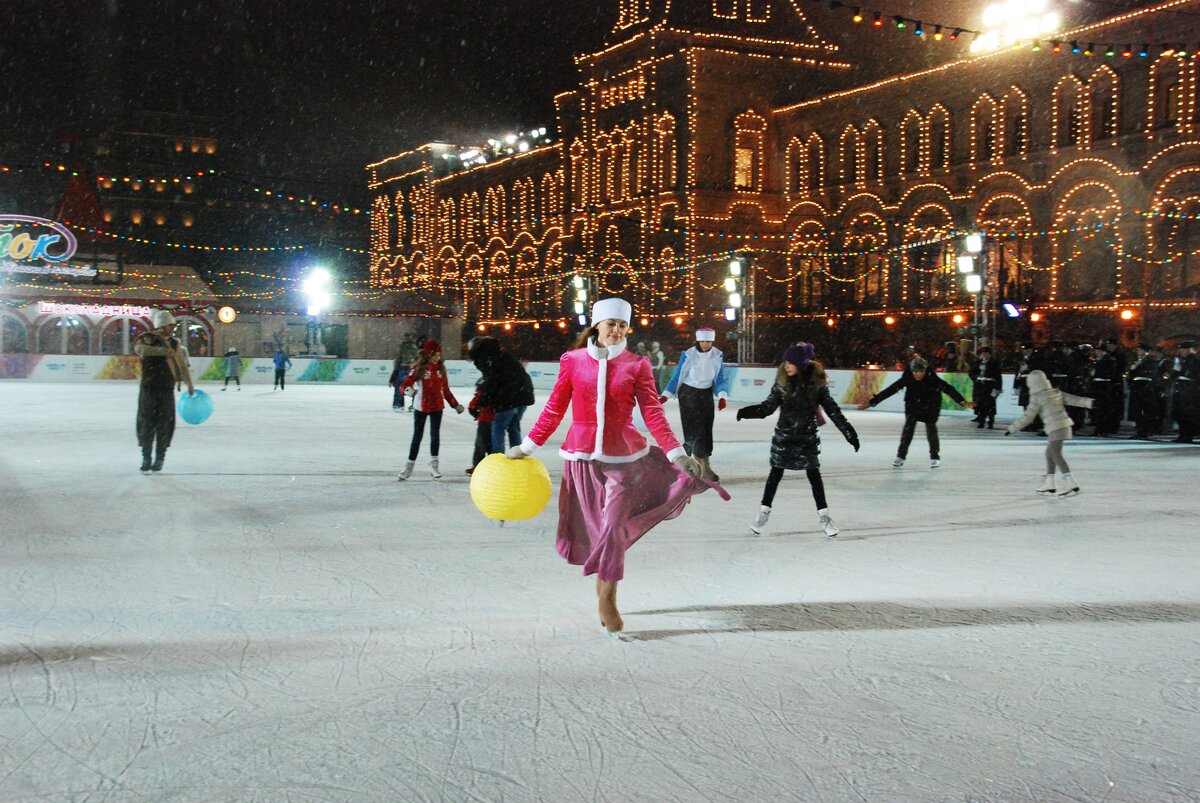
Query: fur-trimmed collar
[(597, 352)]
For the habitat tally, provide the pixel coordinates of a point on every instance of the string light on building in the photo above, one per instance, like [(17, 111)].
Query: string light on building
[(1007, 24)]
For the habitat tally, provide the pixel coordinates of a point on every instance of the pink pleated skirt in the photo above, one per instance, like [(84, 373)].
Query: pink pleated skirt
[(604, 508)]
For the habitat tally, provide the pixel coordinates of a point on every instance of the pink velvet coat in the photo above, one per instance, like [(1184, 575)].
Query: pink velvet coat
[(601, 394)]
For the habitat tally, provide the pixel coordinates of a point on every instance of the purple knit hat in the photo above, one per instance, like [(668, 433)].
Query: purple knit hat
[(799, 354)]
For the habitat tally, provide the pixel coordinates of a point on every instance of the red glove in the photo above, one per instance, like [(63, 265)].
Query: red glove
[(662, 399), (722, 404)]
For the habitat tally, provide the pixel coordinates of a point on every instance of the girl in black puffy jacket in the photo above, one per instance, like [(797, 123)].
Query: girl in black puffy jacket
[(800, 393)]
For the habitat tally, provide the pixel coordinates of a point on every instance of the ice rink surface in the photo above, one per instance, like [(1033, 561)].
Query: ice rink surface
[(275, 617)]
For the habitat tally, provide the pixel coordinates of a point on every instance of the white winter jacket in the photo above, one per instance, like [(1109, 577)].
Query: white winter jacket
[(1049, 403)]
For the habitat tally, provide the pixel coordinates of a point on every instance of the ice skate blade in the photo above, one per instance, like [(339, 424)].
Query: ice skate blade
[(1072, 492)]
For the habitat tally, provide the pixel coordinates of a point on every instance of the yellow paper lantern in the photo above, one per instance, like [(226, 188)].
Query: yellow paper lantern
[(510, 490)]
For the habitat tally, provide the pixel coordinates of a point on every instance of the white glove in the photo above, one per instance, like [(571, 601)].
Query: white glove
[(689, 465), (459, 409), (515, 453)]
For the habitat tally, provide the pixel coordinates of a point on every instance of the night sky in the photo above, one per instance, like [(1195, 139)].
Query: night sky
[(315, 90)]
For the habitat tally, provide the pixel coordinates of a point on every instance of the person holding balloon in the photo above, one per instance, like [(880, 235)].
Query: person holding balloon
[(615, 486), (163, 365)]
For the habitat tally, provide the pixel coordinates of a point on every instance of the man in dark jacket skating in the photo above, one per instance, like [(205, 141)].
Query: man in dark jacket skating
[(923, 391), (505, 388)]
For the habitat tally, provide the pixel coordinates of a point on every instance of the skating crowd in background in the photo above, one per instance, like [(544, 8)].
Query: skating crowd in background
[(616, 487)]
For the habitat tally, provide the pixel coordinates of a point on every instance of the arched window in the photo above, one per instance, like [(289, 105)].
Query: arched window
[(794, 165), (63, 334), (1016, 123), (1102, 99), (400, 212), (939, 137), (1166, 92), (872, 152), (380, 224), (749, 140), (603, 181), (1068, 112), (848, 155), (117, 336), (13, 335), (493, 211), (814, 163), (665, 129), (194, 330), (446, 221), (551, 202), (470, 217), (579, 175), (910, 143), (983, 130)]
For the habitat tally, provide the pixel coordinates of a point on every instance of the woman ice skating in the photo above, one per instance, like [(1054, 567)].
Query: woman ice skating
[(699, 376), (615, 487), (799, 393), (1050, 403), (233, 368), (923, 391), (162, 367), (428, 383)]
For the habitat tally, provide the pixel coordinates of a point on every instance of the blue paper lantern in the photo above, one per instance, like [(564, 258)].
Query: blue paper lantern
[(195, 409)]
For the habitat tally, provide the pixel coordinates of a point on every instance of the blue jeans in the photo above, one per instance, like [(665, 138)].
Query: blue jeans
[(506, 422)]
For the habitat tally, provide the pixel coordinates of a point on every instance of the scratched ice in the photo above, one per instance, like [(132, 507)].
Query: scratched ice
[(275, 617)]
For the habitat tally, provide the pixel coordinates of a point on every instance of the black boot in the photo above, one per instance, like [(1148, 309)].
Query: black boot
[(158, 459), (145, 459)]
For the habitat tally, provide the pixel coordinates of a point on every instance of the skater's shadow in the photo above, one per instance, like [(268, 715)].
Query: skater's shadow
[(819, 616)]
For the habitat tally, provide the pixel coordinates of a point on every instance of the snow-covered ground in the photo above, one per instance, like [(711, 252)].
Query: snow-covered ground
[(275, 617)]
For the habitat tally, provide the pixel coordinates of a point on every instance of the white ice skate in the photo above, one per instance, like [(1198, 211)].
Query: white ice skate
[(1070, 487), (433, 469), (934, 462), (827, 524), (1047, 486), (760, 521), (408, 470), (898, 462)]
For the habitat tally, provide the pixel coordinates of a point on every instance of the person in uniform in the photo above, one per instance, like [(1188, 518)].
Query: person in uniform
[(1108, 387), (1185, 392), (1079, 382), (1145, 408), (986, 384)]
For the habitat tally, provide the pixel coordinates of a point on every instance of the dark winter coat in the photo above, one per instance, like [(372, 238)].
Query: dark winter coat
[(922, 400), (506, 383), (985, 378), (796, 444)]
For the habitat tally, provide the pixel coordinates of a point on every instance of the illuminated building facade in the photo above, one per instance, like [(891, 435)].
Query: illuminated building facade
[(732, 126)]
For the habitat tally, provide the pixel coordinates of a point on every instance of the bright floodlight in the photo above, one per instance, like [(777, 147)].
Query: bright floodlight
[(735, 300), (966, 263), (316, 289), (730, 314), (974, 243), (1011, 310), (730, 284), (735, 268), (974, 283), (577, 281)]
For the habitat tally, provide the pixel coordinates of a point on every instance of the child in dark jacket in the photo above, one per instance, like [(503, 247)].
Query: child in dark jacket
[(923, 391), (800, 392), (483, 427)]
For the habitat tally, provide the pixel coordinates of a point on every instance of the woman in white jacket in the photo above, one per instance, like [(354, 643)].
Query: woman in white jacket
[(1050, 403)]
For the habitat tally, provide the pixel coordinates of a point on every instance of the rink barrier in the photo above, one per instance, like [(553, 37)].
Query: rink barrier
[(748, 384)]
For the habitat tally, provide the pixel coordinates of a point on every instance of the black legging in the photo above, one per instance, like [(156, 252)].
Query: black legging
[(814, 479), (696, 412), (435, 433), (906, 436)]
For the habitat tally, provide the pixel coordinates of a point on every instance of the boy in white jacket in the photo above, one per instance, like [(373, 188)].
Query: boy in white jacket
[(1050, 403)]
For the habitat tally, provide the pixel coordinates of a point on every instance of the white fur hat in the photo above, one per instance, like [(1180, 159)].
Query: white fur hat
[(162, 318), (616, 309), (705, 334)]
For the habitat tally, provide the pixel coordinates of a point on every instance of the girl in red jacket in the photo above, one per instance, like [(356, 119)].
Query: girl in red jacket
[(428, 384)]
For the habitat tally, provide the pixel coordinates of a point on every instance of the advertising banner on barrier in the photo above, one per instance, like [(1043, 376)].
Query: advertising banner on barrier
[(748, 385)]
